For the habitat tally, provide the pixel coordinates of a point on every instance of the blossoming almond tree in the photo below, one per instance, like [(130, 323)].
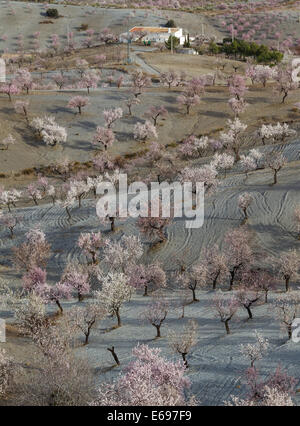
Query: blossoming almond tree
[(6, 142), (111, 116), (238, 252), (84, 318), (156, 111), (77, 278), (156, 313), (275, 161), (33, 252), (244, 202), (288, 266), (142, 276), (149, 380), (123, 254), (90, 243), (143, 131), (285, 308), (257, 350), (78, 102), (182, 340), (226, 307), (114, 293), (104, 137)]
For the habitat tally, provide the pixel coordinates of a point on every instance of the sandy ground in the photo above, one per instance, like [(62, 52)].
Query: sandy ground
[(216, 364), (27, 21), (207, 118)]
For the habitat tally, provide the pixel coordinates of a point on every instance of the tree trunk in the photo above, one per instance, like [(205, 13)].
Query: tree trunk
[(112, 224), (184, 354), (87, 337), (145, 291), (112, 351), (266, 296), (68, 213), (118, 317), (194, 295), (287, 284), (59, 306), (157, 330), (227, 326), (284, 97), (275, 177), (249, 312), (215, 280), (232, 273)]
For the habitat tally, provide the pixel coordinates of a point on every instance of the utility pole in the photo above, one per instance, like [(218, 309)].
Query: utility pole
[(128, 48)]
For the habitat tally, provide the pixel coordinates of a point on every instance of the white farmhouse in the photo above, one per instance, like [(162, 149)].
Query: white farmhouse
[(157, 34)]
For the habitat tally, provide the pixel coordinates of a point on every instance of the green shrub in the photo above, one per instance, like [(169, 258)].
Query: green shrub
[(243, 49), (171, 39), (213, 48), (171, 24), (52, 13)]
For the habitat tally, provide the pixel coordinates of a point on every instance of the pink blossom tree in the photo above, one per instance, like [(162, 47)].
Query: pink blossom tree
[(156, 111), (9, 221), (35, 251), (111, 116), (244, 202), (6, 142), (247, 297), (237, 86), (149, 380), (275, 161), (288, 265), (90, 243), (34, 193), (10, 89), (143, 131), (85, 318), (226, 307), (139, 82), (182, 340), (130, 102), (142, 276), (75, 277), (156, 313), (21, 107), (286, 309), (114, 293), (284, 82), (216, 265), (257, 350), (104, 137), (78, 102), (238, 252)]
